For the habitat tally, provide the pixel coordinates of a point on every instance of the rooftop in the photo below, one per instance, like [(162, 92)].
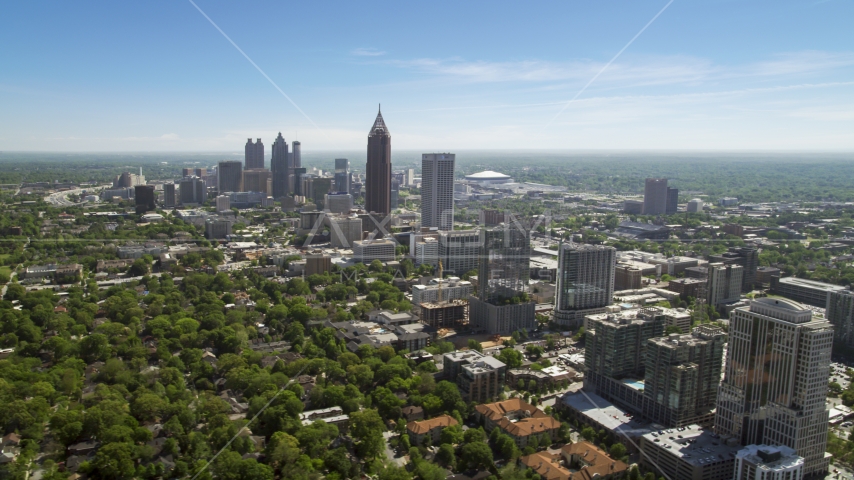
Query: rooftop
[(694, 445), (607, 414), (803, 282), (424, 426), (487, 175), (517, 417), (771, 458)]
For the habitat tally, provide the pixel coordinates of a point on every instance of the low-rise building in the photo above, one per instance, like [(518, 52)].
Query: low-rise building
[(366, 251), (689, 453), (522, 378), (576, 461), (523, 422), (802, 290), (420, 430), (766, 462), (333, 416), (479, 377), (593, 411)]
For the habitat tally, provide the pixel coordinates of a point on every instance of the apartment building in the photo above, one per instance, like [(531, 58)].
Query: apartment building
[(779, 402), (585, 281), (419, 431), (682, 376), (480, 377), (523, 422)]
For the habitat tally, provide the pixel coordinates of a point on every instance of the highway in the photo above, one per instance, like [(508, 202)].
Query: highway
[(60, 199)]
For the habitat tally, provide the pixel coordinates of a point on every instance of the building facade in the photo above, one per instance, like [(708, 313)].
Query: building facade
[(281, 169), (840, 313), (366, 251), (682, 376), (192, 190), (144, 198), (257, 180), (229, 177), (459, 251), (775, 379), (254, 154), (655, 196), (723, 284), (170, 197), (378, 169), (585, 281), (437, 190)]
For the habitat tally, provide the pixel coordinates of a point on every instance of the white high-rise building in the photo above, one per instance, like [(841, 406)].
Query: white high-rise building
[(764, 462), (775, 380), (724, 283), (223, 202), (437, 190)]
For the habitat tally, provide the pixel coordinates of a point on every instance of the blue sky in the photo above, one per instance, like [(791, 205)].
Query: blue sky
[(157, 76)]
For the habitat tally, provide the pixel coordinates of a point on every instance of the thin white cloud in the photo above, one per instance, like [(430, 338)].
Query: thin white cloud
[(169, 136), (655, 70), (367, 52)]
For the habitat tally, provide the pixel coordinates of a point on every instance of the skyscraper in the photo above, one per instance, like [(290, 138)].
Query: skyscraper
[(775, 379), (585, 281), (192, 190), (655, 196), (255, 180), (169, 197), (378, 168), (342, 175), (840, 312), (229, 177), (682, 376), (747, 257), (723, 284), (144, 198), (437, 190), (254, 154), (297, 158), (672, 200), (297, 181), (504, 266), (281, 170)]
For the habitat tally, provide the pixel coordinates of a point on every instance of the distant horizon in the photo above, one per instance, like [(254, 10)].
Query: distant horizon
[(784, 152)]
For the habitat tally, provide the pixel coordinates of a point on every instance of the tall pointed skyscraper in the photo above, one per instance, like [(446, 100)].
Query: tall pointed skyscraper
[(378, 169), (280, 168)]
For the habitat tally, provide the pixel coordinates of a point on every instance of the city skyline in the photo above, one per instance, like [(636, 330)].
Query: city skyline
[(718, 76)]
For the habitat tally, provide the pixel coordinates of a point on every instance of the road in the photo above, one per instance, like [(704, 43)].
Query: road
[(400, 461), (60, 199)]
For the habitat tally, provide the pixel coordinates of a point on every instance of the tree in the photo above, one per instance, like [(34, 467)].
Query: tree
[(475, 345), (451, 435), (114, 460), (366, 427), (477, 455), (617, 451), (394, 473), (588, 434), (446, 456), (672, 329), (510, 357), (282, 450)]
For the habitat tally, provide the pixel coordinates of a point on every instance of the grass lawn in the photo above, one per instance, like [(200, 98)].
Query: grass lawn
[(4, 270)]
